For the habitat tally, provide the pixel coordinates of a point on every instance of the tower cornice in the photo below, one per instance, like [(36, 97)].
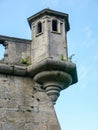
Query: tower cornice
[(50, 12)]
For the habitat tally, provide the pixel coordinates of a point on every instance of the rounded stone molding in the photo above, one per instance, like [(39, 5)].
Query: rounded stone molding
[(53, 82), (50, 64), (53, 75)]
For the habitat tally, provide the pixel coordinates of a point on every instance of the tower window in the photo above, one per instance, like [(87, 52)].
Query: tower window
[(39, 27), (54, 25)]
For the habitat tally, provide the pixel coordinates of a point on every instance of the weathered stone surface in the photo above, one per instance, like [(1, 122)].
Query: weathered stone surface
[(48, 44), (52, 127), (22, 107), (33, 72), (15, 49)]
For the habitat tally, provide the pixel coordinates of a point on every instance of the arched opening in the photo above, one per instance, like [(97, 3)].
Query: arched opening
[(39, 27), (54, 25), (2, 50)]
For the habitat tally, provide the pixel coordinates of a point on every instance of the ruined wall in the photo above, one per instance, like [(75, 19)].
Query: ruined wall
[(15, 49), (24, 106)]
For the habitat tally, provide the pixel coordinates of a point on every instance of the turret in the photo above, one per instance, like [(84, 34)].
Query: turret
[(49, 54), (49, 29)]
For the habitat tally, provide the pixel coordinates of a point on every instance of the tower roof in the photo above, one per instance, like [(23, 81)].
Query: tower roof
[(50, 12)]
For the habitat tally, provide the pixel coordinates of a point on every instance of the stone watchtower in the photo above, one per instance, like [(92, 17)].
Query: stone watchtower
[(33, 72), (49, 29)]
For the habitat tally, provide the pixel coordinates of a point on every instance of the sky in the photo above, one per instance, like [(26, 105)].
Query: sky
[(77, 106)]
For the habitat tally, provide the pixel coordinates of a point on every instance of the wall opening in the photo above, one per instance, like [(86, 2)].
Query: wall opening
[(2, 50), (39, 27), (54, 25)]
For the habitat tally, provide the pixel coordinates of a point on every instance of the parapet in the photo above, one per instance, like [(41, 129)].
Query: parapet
[(16, 49)]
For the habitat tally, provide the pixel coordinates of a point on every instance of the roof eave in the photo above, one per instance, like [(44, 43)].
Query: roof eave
[(49, 12)]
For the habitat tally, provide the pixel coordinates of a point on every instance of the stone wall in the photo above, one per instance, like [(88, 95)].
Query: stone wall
[(16, 49), (24, 106)]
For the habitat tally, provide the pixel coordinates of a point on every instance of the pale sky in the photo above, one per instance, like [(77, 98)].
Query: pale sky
[(77, 106)]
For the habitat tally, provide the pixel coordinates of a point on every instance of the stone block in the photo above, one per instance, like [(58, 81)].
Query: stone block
[(53, 127)]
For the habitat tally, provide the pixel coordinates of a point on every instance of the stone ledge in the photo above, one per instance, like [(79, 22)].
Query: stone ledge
[(13, 70), (44, 65), (13, 39), (50, 64)]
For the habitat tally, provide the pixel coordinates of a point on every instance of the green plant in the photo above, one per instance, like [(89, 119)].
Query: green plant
[(70, 58), (25, 61), (62, 57)]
